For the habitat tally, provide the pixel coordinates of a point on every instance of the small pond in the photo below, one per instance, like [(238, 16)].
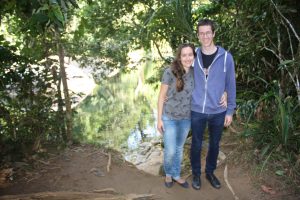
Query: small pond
[(114, 116)]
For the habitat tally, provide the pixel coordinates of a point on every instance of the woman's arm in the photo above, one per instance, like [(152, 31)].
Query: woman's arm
[(161, 99)]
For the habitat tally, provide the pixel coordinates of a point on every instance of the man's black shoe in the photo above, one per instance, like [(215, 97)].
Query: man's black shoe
[(213, 181), (196, 184)]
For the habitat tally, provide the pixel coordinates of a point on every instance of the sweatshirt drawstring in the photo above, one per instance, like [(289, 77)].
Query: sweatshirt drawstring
[(225, 61)]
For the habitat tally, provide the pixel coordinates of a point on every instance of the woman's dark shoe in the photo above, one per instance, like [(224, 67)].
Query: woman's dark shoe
[(185, 184), (169, 184), (213, 181), (196, 183)]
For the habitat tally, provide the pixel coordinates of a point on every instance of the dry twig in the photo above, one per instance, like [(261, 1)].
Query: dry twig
[(106, 191), (43, 162), (140, 197), (227, 183), (108, 162)]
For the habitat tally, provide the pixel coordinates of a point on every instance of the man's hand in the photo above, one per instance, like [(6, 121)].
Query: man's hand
[(166, 99), (160, 126), (228, 120)]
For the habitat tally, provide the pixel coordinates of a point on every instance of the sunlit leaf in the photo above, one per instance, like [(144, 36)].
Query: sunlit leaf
[(279, 172)]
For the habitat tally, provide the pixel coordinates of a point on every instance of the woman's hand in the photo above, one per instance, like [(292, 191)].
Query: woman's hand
[(223, 101), (160, 126), (162, 97)]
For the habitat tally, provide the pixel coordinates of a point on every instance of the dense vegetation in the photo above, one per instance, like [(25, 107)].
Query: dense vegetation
[(263, 36)]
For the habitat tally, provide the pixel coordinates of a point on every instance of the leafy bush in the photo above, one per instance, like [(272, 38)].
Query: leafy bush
[(26, 101), (274, 127)]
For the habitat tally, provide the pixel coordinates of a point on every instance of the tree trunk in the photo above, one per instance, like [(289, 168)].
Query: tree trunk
[(60, 105), (60, 115), (65, 86), (297, 60)]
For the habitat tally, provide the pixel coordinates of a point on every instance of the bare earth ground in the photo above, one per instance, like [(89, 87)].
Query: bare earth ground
[(83, 168)]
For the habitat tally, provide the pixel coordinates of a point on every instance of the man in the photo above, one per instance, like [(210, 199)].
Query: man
[(213, 73)]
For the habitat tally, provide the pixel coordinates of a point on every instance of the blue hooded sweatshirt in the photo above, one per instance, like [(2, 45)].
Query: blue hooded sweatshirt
[(208, 91)]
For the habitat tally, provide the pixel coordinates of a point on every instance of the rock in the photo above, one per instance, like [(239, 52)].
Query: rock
[(147, 157), (145, 150), (156, 152), (145, 144), (221, 156), (156, 142), (97, 172), (153, 164), (140, 159)]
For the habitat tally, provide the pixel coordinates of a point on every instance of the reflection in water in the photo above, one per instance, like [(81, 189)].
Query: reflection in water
[(114, 117), (140, 134)]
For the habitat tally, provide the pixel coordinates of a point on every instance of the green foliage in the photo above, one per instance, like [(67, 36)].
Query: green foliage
[(107, 31), (26, 100), (27, 96), (102, 38), (259, 39), (171, 21), (273, 124), (277, 123)]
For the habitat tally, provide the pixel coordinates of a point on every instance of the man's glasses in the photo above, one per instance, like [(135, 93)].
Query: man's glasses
[(207, 34)]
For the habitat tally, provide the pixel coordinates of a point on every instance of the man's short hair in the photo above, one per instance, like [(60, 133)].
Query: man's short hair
[(206, 22)]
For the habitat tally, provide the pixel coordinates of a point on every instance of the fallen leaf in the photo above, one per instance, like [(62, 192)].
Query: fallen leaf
[(268, 190)]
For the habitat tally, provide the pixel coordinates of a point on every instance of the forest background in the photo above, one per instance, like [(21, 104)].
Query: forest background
[(262, 35)]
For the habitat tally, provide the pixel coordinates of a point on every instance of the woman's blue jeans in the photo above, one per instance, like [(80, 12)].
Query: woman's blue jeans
[(175, 133), (215, 128)]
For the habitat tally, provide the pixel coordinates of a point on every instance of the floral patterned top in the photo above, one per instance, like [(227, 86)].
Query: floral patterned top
[(178, 104)]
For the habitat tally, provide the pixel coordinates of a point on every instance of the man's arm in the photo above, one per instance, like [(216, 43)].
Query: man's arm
[(230, 88)]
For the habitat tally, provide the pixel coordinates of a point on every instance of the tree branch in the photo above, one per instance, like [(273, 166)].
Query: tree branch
[(159, 53), (290, 39), (287, 21)]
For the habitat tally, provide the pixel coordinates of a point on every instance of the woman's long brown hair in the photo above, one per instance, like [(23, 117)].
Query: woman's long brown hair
[(177, 68)]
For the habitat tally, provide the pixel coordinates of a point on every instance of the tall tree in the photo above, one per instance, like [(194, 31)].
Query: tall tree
[(57, 12), (42, 22)]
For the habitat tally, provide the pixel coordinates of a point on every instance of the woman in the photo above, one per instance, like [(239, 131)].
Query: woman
[(174, 115)]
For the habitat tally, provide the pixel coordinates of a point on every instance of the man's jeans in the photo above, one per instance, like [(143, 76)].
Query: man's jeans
[(175, 133), (215, 128)]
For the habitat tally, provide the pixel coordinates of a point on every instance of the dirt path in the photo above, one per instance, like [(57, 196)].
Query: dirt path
[(84, 169)]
